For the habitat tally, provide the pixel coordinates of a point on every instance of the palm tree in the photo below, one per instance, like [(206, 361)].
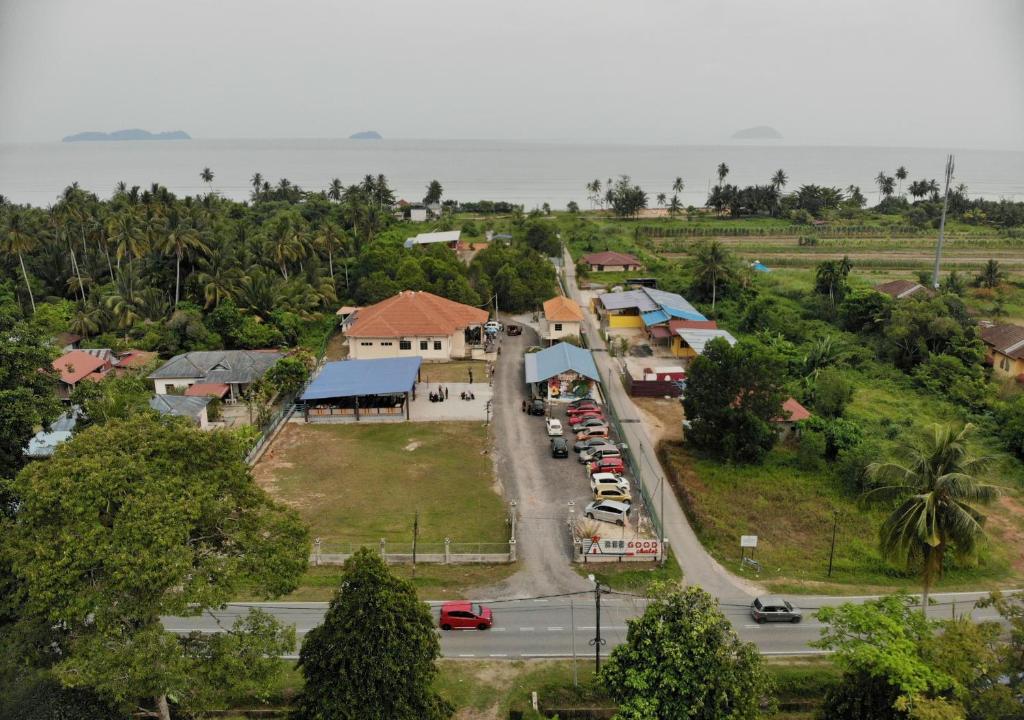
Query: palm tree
[(16, 240), (218, 276), (674, 206), (85, 320), (335, 190), (181, 237), (678, 185), (661, 199), (712, 263), (991, 275), (206, 175), (888, 187), (937, 489), (723, 170), (329, 236), (779, 179), (257, 183), (126, 234), (901, 175)]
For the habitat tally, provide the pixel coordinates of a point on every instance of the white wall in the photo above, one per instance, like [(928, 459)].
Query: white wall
[(361, 348), (568, 328), (160, 386)]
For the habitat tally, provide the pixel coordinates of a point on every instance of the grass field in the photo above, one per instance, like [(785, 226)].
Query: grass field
[(355, 484), (456, 371)]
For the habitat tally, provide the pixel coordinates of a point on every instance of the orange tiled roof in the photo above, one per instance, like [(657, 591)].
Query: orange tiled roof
[(414, 313), (77, 364), (562, 309)]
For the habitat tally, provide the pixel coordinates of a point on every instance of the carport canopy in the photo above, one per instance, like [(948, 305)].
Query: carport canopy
[(356, 378), (558, 359)]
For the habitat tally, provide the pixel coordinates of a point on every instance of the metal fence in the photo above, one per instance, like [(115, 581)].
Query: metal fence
[(442, 553)]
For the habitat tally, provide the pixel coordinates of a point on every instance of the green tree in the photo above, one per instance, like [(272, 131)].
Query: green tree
[(374, 654), (779, 179), (901, 175), (682, 659), (936, 490), (722, 172), (830, 279), (134, 520), (832, 392), (206, 175), (181, 237), (712, 266), (990, 276), (17, 241), (287, 375), (1010, 418), (732, 394), (434, 192)]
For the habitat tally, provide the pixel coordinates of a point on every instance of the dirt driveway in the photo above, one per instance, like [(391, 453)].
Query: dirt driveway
[(540, 484)]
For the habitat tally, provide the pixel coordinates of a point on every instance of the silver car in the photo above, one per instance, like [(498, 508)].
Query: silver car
[(771, 608), (611, 511), (599, 451)]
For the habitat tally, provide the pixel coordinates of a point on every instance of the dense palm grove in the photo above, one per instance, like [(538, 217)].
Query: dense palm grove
[(167, 273)]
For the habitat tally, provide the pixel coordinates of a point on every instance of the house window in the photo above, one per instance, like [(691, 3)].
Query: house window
[(423, 344), (1004, 362), (405, 345), (366, 344), (558, 327), (437, 344), (387, 344)]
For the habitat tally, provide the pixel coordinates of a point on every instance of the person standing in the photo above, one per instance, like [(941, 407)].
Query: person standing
[(446, 393)]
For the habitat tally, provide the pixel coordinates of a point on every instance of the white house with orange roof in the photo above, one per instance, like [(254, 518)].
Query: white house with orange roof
[(415, 323), (562, 318)]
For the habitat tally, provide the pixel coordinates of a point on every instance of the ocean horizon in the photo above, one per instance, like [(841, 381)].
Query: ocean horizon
[(530, 172)]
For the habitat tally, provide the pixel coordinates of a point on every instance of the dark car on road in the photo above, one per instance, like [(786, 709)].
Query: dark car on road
[(771, 608), (536, 407), (559, 447)]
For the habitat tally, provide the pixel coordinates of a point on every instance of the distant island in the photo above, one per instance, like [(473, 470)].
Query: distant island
[(132, 134), (761, 132), (366, 135)]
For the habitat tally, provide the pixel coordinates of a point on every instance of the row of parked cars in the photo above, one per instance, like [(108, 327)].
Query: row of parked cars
[(602, 457)]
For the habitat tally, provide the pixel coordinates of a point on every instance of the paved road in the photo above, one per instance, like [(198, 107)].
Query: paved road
[(553, 627)]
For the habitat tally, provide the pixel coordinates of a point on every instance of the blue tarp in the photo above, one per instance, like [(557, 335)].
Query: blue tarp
[(558, 359), (666, 313), (760, 267), (348, 378)]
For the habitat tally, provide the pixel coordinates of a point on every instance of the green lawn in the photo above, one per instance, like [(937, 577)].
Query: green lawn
[(432, 581), (355, 484), (634, 577), (457, 371)]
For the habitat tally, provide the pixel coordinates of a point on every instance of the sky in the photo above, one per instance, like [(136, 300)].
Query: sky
[(929, 74)]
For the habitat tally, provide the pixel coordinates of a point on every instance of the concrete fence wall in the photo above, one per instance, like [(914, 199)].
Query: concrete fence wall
[(498, 553)]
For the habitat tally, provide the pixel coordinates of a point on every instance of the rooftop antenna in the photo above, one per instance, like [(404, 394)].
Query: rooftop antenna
[(942, 223)]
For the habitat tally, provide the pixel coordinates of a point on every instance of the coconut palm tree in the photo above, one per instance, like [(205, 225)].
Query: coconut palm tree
[(17, 240), (723, 170), (180, 238), (257, 182), (901, 175), (85, 320), (206, 175), (937, 490), (991, 275), (335, 190), (881, 181), (330, 237), (125, 231), (661, 199), (674, 206), (218, 275), (779, 179), (712, 264), (678, 185)]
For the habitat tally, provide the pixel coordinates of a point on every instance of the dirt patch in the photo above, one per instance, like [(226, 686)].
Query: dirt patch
[(664, 418), (1012, 534), (413, 444)]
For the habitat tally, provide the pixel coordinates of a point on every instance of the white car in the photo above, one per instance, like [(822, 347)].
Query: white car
[(608, 480), (611, 511), (554, 427), (492, 326)]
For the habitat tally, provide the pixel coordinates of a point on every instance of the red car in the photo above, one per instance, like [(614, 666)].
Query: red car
[(607, 465), (580, 417), (465, 615), (584, 409), (584, 405)]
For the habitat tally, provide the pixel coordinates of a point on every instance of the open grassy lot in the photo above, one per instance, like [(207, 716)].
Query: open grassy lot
[(457, 371), (355, 484)]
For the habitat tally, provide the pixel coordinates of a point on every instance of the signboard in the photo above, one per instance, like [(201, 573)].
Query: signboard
[(636, 547), (748, 541)]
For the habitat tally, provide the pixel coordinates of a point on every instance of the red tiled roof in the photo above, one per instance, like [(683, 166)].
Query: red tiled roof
[(1005, 339), (414, 313), (218, 390), (610, 257), (77, 364), (792, 411), (674, 325), (562, 309)]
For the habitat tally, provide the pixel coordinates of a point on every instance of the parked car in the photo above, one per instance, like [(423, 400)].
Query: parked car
[(536, 407), (608, 479), (611, 511), (559, 447), (583, 407), (608, 464), (585, 415), (514, 330), (600, 431), (582, 445), (587, 422), (605, 492), (583, 401), (600, 451), (464, 614), (771, 608), (493, 326), (554, 426)]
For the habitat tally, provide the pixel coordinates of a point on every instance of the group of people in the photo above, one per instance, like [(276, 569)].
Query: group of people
[(440, 396)]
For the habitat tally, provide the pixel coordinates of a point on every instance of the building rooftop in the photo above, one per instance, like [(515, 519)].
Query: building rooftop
[(79, 364), (562, 309), (446, 236), (610, 257), (899, 289), (219, 366), (414, 313), (557, 359), (698, 338), (349, 378), (179, 405), (1005, 339)]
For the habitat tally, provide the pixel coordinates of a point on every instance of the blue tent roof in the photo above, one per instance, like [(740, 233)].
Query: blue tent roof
[(348, 378), (558, 359)]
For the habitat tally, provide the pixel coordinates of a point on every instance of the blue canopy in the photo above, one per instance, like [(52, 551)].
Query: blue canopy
[(657, 317), (558, 359), (349, 378)]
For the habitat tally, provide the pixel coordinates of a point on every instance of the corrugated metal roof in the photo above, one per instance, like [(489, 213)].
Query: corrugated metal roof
[(219, 366), (698, 339), (558, 359), (628, 299), (348, 378), (179, 405), (445, 236)]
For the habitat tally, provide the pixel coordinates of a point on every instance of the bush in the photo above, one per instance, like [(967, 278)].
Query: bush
[(1011, 426), (832, 392)]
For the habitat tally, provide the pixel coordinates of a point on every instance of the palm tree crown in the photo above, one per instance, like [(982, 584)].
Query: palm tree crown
[(936, 489), (779, 179), (722, 171)]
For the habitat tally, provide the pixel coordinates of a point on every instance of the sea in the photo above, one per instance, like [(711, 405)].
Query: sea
[(530, 173)]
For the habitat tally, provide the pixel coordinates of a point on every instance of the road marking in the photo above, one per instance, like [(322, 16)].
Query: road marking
[(555, 629), (544, 655), (498, 629), (526, 629), (603, 627), (498, 655), (467, 655), (540, 600)]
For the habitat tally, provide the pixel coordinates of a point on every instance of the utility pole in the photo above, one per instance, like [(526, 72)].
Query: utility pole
[(832, 552), (942, 223), (598, 641), (415, 536)]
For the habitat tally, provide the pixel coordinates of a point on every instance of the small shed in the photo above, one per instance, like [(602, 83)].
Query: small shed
[(561, 372), (354, 389)]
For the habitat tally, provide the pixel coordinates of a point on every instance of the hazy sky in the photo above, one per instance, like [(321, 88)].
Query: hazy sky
[(934, 73)]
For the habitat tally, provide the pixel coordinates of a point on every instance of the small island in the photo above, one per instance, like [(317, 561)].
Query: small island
[(366, 135), (131, 134), (761, 132)]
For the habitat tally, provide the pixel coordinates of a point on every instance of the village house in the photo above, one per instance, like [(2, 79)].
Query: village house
[(79, 365), (562, 318), (229, 372), (903, 289), (792, 413), (191, 408), (561, 372), (610, 261), (416, 323), (1004, 350), (448, 237)]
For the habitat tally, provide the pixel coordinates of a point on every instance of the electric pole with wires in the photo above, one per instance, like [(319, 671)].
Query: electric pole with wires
[(598, 641), (942, 223)]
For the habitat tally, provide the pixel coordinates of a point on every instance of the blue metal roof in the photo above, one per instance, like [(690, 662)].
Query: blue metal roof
[(654, 317), (348, 378), (558, 359)]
